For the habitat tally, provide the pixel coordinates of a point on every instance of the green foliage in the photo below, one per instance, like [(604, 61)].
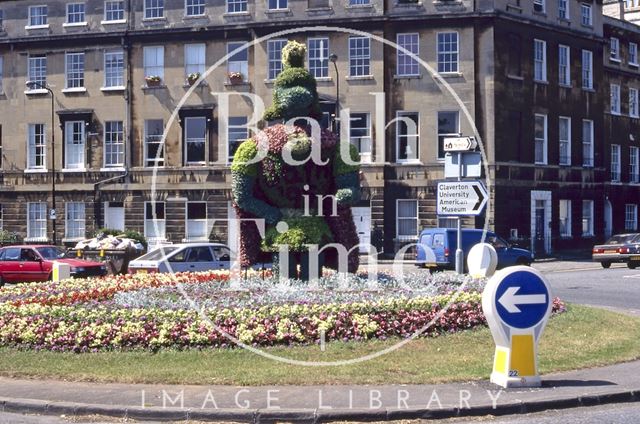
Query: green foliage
[(294, 77), (340, 167), (299, 145), (302, 231), (293, 54), (9, 237), (130, 234), (246, 152), (293, 101)]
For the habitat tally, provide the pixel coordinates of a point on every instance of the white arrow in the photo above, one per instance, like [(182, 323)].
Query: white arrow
[(509, 299)]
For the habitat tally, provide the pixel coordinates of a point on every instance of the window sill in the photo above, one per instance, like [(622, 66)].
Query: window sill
[(413, 5), (75, 24), (195, 240), (154, 87), (286, 11), (541, 82), (450, 74), (587, 236), (615, 113), (154, 21), (589, 89), (408, 162), (244, 83), (36, 171), (320, 10), (368, 6), (73, 239), (72, 170), (115, 22), (74, 90), (36, 92), (615, 60), (564, 164), (403, 77), (634, 65), (236, 15), (118, 88), (113, 169), (515, 77), (36, 27), (324, 79), (541, 163), (36, 239), (195, 17), (541, 13), (590, 26), (202, 83), (360, 78), (565, 85)]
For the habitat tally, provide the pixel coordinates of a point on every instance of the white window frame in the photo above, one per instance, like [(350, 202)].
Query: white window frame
[(114, 146), (441, 153), (153, 61), (74, 221), (71, 14), (114, 11), (198, 223), (236, 133), (565, 204), (563, 10), (401, 115), (114, 69), (586, 14), (544, 140), (155, 220), (38, 21), (615, 163), (588, 147), (566, 160), (564, 65), (361, 140), (614, 49), (195, 64), (37, 147), (634, 111), (74, 148), (188, 141), (590, 209), (277, 4), (539, 6), (1, 74), (36, 221), (407, 66), (634, 165), (153, 139), (37, 71), (447, 56), (630, 217), (539, 60), (191, 6), (318, 54), (587, 69), (633, 54), (405, 237), (359, 56), (274, 58), (615, 99), (74, 67), (153, 9), (241, 66), (236, 6)]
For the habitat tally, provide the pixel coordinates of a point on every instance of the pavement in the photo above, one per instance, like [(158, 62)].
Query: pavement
[(314, 404)]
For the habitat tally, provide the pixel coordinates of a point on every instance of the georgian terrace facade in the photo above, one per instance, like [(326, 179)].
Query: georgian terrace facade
[(108, 120)]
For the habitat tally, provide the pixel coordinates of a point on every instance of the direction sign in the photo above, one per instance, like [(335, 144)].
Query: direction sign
[(522, 299), (461, 198), (459, 144)]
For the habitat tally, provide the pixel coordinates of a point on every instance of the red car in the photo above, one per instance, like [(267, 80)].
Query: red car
[(35, 263)]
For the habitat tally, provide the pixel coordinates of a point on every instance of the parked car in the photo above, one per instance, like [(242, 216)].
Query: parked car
[(35, 263), (443, 242), (183, 257), (621, 248)]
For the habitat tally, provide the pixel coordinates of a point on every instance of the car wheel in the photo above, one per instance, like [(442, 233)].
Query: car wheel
[(605, 264), (1, 281), (632, 265)]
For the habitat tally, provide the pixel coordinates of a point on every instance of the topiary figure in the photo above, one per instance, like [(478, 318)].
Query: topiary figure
[(313, 198)]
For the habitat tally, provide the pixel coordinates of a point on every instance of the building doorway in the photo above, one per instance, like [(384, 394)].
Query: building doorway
[(608, 219), (114, 215), (362, 219), (541, 223)]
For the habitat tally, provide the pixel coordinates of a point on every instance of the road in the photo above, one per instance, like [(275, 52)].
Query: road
[(588, 283)]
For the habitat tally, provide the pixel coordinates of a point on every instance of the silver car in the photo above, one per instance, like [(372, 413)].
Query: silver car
[(183, 257)]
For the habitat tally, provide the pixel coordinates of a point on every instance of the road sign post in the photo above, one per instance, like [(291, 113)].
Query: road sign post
[(517, 304)]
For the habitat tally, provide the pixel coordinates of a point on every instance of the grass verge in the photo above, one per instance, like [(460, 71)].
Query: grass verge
[(580, 338)]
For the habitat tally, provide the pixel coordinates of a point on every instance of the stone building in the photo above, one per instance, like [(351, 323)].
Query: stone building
[(528, 78)]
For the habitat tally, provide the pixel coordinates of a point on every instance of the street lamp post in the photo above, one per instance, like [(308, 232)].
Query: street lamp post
[(334, 58), (53, 216)]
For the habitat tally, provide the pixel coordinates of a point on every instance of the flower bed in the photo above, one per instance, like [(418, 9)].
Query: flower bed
[(150, 312)]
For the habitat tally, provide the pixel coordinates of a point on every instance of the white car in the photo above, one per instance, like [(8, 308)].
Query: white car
[(183, 257)]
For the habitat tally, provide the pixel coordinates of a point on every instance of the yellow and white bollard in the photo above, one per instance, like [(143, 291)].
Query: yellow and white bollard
[(61, 271), (517, 303)]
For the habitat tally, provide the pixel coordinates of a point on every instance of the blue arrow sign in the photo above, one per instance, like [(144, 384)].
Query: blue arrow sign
[(522, 299)]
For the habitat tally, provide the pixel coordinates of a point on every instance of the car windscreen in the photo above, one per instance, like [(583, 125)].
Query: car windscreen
[(51, 252), (621, 239), (158, 254)]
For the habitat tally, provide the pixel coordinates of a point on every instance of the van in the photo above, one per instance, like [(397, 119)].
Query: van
[(443, 242)]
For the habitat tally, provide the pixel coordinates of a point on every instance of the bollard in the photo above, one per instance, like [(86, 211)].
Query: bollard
[(61, 271)]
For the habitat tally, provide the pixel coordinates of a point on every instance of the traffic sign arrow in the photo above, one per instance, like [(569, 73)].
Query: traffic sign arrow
[(459, 144), (509, 300)]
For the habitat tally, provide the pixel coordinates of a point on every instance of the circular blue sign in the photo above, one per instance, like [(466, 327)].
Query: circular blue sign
[(522, 299)]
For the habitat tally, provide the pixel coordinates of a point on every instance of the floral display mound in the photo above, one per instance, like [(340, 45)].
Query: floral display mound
[(297, 175), (194, 310)]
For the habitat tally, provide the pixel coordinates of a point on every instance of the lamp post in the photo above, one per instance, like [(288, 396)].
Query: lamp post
[(30, 85), (334, 58)]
